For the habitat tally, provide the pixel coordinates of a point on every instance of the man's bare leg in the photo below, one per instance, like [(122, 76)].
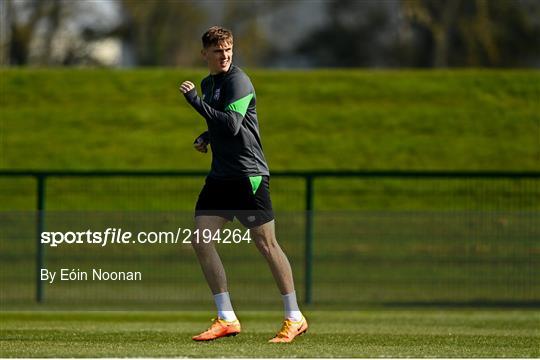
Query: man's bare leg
[(295, 323), (226, 323), (265, 240), (209, 259)]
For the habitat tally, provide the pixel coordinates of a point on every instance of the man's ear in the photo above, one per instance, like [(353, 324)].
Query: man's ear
[(204, 53)]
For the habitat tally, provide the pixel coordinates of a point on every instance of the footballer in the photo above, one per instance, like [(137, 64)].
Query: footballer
[(238, 184)]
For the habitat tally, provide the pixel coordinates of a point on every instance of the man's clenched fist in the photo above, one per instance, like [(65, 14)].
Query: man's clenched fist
[(200, 145), (186, 87)]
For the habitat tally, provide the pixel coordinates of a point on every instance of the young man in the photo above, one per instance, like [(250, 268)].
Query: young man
[(238, 183)]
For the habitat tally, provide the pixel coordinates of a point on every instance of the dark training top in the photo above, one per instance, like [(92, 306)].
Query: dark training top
[(228, 105)]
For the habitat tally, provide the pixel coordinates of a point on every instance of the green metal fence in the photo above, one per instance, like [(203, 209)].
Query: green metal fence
[(310, 179)]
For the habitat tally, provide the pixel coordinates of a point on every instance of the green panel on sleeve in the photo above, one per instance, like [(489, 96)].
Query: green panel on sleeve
[(240, 106)]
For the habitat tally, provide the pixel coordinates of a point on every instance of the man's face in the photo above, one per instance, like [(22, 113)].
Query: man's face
[(218, 57)]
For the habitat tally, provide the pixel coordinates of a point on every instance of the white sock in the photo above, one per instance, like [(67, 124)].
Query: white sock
[(292, 312), (224, 307)]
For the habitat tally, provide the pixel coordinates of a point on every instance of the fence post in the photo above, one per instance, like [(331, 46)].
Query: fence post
[(40, 226), (309, 240)]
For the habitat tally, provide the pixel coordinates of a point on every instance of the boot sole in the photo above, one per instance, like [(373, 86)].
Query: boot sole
[(228, 335)]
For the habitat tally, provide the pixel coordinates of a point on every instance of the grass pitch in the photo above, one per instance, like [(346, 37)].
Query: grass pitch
[(364, 333)]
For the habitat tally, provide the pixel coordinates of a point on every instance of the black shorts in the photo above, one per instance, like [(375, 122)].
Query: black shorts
[(247, 199)]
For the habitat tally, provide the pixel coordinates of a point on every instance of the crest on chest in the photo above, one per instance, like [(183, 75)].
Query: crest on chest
[(217, 92)]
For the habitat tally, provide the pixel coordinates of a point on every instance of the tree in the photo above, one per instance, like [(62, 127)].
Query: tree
[(476, 33), (356, 35), (426, 33), (243, 18), (439, 18), (56, 32), (162, 32), (23, 31)]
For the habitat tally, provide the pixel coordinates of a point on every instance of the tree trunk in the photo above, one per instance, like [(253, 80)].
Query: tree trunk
[(5, 32), (441, 33)]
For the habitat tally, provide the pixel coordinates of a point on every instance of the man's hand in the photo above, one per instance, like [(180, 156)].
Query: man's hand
[(186, 87), (201, 143)]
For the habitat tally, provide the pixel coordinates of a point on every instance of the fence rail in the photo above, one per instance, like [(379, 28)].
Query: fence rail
[(309, 177)]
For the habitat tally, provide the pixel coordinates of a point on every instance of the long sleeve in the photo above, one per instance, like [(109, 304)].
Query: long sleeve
[(238, 94), (229, 106), (205, 136)]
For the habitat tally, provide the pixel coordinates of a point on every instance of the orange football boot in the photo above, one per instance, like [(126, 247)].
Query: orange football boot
[(290, 330), (219, 328)]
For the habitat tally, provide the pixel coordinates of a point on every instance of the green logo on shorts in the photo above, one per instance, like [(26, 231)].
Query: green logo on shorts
[(255, 183)]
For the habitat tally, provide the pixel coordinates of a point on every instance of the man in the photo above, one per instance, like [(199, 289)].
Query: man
[(238, 183)]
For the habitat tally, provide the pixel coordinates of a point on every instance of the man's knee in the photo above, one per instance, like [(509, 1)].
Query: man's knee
[(265, 240), (266, 245), (199, 242)]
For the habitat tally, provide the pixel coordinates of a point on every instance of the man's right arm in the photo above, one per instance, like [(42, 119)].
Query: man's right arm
[(201, 142), (239, 95)]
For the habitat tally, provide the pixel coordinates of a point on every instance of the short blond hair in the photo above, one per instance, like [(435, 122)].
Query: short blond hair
[(217, 35)]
